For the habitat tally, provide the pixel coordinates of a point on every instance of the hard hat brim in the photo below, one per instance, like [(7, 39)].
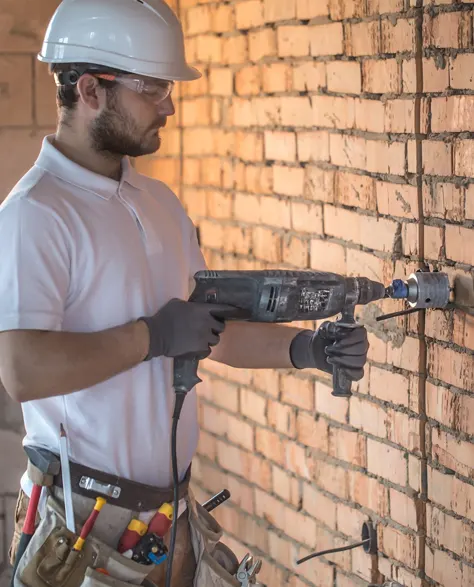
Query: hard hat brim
[(61, 53)]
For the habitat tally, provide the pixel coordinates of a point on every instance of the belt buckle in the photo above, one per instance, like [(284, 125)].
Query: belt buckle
[(90, 484)]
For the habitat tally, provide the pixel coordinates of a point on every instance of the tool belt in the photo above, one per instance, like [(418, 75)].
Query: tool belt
[(119, 491)]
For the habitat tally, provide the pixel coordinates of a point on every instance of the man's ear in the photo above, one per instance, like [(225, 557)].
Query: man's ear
[(90, 92)]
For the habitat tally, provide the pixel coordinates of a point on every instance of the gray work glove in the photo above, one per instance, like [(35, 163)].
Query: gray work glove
[(182, 328), (345, 347)]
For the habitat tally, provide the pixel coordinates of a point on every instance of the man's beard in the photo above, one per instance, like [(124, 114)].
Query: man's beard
[(116, 133)]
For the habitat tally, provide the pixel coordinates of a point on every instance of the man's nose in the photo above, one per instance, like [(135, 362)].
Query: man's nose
[(166, 108)]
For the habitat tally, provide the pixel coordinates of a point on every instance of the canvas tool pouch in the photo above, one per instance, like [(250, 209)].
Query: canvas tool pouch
[(216, 563), (50, 561)]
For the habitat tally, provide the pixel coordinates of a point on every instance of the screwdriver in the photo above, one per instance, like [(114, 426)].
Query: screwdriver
[(89, 523)]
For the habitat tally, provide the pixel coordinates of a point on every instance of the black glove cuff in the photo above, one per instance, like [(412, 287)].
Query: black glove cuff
[(149, 323), (301, 350)]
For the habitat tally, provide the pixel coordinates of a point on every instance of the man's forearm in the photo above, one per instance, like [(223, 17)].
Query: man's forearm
[(248, 345), (58, 363)]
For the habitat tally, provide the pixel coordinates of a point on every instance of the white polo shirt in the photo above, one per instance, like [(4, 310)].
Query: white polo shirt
[(83, 253)]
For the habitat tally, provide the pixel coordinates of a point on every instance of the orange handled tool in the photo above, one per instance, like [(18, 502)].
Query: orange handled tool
[(89, 523), (162, 520)]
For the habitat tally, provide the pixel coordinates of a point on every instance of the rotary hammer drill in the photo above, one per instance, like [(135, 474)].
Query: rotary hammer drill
[(281, 296)]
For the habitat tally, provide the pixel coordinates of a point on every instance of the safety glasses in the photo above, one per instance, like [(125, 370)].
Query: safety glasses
[(156, 90)]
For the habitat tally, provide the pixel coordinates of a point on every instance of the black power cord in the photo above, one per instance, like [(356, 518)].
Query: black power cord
[(331, 550), (179, 400)]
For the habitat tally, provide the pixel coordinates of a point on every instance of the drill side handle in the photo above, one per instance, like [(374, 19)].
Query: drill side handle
[(341, 384)]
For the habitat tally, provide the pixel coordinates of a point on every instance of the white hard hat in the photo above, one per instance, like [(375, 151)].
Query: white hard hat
[(138, 36)]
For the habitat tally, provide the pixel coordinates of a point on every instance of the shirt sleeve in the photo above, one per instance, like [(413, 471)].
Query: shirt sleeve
[(34, 269)]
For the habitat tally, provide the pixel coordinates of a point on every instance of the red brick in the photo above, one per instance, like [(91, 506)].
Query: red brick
[(344, 77), (280, 146), (355, 190), (459, 244), (248, 80), (381, 76), (443, 569), (394, 199), (461, 72), (363, 263), (307, 218), (370, 115), (244, 464), (45, 96), (400, 116), (306, 9), (309, 76), (221, 81), (386, 157), (296, 111), (276, 77), (406, 356), (267, 245), (399, 37), (326, 39), (444, 200), (464, 158), (209, 49), (452, 453), (297, 392), (452, 114), (198, 20), (369, 493), (296, 525), (330, 478), (275, 10), (293, 41), (451, 533), (295, 251), (363, 38), (238, 240), (267, 110), (286, 486), (235, 49), (450, 492), (319, 506), (434, 242), (403, 430), (296, 461), (282, 418), (387, 462), (288, 181), (319, 184), (219, 204), (384, 6), (262, 44), (368, 417), (389, 386), (312, 431), (347, 9), (447, 30), (222, 18), (398, 545), (437, 158), (333, 112), (326, 256), (275, 212), (348, 446), (247, 208), (348, 151), (313, 146), (371, 232), (249, 14), (253, 406), (270, 445)]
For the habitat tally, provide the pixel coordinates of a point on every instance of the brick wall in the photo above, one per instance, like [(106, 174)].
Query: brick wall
[(335, 135), (27, 113), (331, 135)]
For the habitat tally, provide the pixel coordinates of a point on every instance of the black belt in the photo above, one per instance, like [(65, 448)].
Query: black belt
[(119, 491)]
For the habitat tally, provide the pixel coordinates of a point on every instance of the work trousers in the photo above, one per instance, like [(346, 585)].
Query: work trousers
[(184, 563)]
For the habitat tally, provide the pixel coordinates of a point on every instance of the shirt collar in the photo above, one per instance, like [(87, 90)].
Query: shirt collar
[(53, 161)]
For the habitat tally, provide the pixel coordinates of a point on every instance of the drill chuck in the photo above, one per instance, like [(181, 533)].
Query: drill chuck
[(422, 290)]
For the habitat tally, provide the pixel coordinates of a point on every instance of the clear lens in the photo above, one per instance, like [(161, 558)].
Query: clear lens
[(157, 90)]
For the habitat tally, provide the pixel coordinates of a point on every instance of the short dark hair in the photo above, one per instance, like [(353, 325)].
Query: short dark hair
[(67, 75)]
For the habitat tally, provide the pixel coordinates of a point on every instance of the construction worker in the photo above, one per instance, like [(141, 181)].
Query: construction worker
[(98, 262)]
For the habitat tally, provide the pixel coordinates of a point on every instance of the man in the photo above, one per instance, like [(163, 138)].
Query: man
[(98, 265)]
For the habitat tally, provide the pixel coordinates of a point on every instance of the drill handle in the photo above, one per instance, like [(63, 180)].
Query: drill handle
[(185, 371)]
